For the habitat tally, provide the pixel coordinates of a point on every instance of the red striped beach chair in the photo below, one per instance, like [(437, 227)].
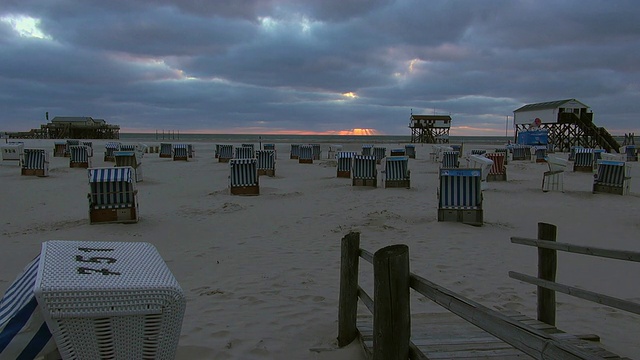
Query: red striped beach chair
[(113, 197), (498, 171)]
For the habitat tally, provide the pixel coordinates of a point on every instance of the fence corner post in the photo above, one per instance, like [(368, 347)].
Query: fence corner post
[(547, 267), (348, 301)]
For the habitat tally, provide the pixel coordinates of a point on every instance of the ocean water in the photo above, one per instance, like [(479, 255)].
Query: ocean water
[(299, 139)]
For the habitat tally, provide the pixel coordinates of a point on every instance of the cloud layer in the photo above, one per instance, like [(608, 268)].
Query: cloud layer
[(315, 66)]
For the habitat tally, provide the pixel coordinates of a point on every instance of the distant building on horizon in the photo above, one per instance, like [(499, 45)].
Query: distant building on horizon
[(430, 129), (72, 127)]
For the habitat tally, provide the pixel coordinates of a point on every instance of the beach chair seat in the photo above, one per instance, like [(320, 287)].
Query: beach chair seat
[(364, 171), (345, 163), (225, 153), (80, 157), (396, 172), (243, 177), (521, 153), (112, 195), (460, 196), (613, 177), (306, 154), (24, 334), (295, 151), (35, 162), (584, 160), (181, 152), (166, 150), (109, 300), (266, 162), (244, 152), (109, 148), (553, 180), (498, 171), (132, 159), (410, 151), (450, 159), (477, 152)]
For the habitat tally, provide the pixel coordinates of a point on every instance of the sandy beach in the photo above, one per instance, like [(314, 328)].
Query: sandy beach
[(261, 273)]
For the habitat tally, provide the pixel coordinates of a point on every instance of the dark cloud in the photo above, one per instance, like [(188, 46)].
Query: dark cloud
[(285, 64)]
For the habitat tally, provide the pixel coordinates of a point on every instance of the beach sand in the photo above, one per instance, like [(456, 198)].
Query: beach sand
[(261, 273)]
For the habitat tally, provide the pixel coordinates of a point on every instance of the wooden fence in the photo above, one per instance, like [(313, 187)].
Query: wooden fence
[(390, 306)]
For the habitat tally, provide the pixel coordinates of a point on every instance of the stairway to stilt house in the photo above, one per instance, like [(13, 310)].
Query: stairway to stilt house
[(602, 137)]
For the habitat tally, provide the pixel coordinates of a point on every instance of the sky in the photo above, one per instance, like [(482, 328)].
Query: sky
[(315, 67)]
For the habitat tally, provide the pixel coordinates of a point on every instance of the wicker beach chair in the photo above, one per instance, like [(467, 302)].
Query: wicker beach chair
[(109, 300), (316, 151), (364, 171), (306, 154), (460, 196), (244, 152), (180, 152), (59, 148), (450, 159), (166, 150), (553, 180), (613, 177), (271, 147), (367, 150), (521, 153), (410, 151), (266, 162), (35, 162), (396, 172), (379, 153), (584, 160), (333, 150), (632, 152), (13, 151), (540, 153), (345, 163), (109, 148), (113, 197), (132, 159), (498, 171), (243, 177), (80, 156), (480, 162), (295, 151), (225, 153)]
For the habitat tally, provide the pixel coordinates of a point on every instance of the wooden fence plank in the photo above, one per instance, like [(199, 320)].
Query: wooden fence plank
[(578, 249)]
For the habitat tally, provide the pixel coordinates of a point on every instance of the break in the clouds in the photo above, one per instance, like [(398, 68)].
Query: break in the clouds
[(315, 66)]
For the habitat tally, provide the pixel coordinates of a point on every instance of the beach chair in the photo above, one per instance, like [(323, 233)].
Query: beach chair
[(131, 159), (483, 163), (572, 152), (35, 162), (613, 177), (59, 148), (521, 153), (540, 154), (584, 160), (367, 150), (24, 334), (379, 153), (244, 152), (396, 172), (243, 178), (498, 171), (460, 196), (12, 151), (553, 180), (450, 159), (295, 151), (316, 151), (410, 151), (109, 148), (477, 152), (397, 152), (364, 172), (109, 300), (252, 146), (632, 152), (113, 197), (506, 153), (180, 152), (439, 150), (266, 162), (333, 151), (271, 147), (80, 157), (127, 147), (225, 153), (345, 163), (306, 154), (68, 144), (166, 150)]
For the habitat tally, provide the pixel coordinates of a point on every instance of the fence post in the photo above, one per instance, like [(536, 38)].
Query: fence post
[(547, 265), (348, 302), (391, 315)]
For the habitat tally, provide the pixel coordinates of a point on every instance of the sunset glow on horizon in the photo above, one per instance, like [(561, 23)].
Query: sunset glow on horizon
[(259, 131)]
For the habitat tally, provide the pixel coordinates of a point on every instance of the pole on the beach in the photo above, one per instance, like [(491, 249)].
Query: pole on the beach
[(348, 302), (547, 266), (391, 311)]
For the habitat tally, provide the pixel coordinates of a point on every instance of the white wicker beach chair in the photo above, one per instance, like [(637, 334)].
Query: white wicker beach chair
[(109, 300), (553, 180), (12, 151), (480, 162)]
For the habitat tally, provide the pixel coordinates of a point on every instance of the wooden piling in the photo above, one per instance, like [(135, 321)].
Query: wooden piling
[(348, 302), (547, 267)]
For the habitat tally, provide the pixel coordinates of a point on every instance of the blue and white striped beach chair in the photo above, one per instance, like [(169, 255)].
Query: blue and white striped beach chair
[(572, 152), (396, 172), (460, 196), (612, 177), (584, 160), (166, 150), (295, 151), (364, 171), (316, 151), (367, 150), (379, 153), (24, 333), (69, 144), (306, 154), (109, 148), (271, 147), (35, 162), (450, 159), (243, 177), (244, 152), (79, 156), (266, 162), (180, 152), (225, 153), (112, 195), (410, 151), (132, 159), (345, 162)]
